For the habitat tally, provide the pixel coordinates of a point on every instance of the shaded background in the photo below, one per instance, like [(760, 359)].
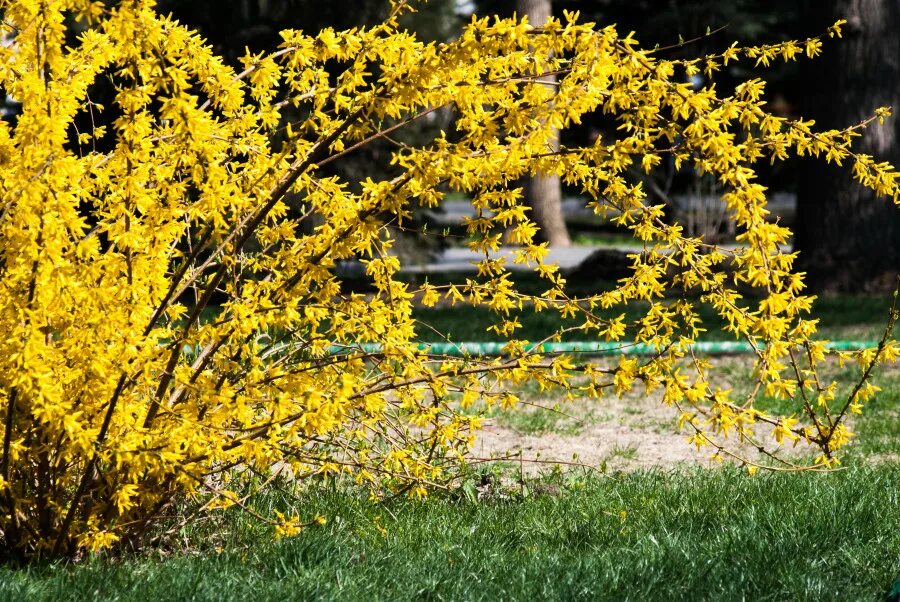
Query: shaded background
[(848, 241)]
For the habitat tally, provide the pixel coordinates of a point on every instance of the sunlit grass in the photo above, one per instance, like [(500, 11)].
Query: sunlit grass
[(649, 535), (641, 536)]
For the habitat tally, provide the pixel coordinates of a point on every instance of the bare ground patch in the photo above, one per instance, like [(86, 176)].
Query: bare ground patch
[(612, 434), (616, 434), (633, 432)]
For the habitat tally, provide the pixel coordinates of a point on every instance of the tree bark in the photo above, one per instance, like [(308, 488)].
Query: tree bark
[(543, 193), (849, 241)]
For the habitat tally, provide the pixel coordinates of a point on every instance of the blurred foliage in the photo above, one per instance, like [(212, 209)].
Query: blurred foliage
[(236, 27), (232, 26)]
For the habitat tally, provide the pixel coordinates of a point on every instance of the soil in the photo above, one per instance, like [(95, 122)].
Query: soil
[(644, 436), (635, 432)]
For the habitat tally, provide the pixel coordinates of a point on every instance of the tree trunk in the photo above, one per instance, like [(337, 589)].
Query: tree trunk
[(849, 241), (543, 193)]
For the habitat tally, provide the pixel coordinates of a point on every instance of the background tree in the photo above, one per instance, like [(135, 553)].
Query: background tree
[(843, 246), (849, 241), (716, 24), (234, 27), (543, 192)]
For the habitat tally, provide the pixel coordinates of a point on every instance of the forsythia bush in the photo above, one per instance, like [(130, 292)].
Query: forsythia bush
[(120, 394)]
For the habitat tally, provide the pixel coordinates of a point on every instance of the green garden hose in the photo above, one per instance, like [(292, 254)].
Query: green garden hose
[(480, 348)]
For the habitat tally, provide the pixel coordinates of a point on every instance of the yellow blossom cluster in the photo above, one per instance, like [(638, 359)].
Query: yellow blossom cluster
[(172, 321)]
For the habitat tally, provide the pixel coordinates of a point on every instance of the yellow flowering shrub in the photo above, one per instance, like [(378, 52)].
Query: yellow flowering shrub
[(121, 394)]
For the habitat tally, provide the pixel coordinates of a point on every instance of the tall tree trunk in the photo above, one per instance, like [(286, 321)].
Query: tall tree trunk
[(848, 240), (543, 193)]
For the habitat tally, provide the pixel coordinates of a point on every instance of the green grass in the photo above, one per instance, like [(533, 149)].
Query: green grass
[(534, 422), (845, 317), (540, 420), (879, 429), (625, 452), (688, 535), (605, 238)]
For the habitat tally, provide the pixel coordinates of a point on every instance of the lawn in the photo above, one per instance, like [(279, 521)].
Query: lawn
[(692, 534), (842, 317), (679, 532)]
